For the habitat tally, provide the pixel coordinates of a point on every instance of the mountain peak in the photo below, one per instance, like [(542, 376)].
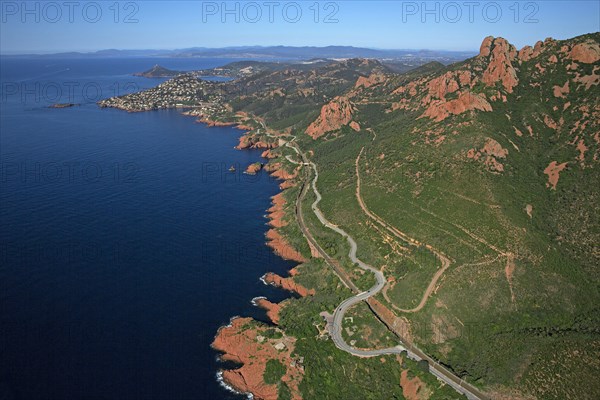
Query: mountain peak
[(490, 42)]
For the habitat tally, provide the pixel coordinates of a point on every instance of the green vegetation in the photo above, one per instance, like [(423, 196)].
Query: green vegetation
[(272, 333), (363, 330), (274, 371), (284, 392)]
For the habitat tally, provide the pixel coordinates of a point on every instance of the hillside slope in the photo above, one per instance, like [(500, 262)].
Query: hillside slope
[(494, 162)]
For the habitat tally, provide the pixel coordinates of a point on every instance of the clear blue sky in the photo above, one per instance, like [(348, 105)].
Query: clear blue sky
[(44, 27)]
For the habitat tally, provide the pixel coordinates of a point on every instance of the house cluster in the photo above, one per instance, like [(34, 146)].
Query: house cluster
[(183, 91)]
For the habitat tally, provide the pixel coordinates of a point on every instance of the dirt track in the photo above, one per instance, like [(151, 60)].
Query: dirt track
[(445, 261)]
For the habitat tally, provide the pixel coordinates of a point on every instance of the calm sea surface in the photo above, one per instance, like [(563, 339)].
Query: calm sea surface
[(125, 243)]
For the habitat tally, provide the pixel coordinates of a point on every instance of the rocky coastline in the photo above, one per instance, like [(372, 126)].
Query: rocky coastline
[(244, 341)]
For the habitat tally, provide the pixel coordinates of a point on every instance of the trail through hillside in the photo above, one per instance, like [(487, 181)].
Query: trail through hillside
[(445, 261)]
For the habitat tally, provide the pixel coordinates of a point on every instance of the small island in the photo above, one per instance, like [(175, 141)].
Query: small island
[(63, 105)]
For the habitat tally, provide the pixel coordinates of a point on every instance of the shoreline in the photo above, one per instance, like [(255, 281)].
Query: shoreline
[(248, 378), (245, 345), (279, 246)]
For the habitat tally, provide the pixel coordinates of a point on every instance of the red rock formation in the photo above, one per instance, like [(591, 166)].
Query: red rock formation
[(276, 212), (495, 149), (209, 122), (278, 172), (582, 148), (333, 116), (244, 342), (560, 91), (254, 168), (399, 325), (439, 87), (272, 309), (268, 154), (587, 52), (537, 48), (518, 132), (550, 123), (485, 48), (500, 68), (282, 248), (490, 153), (440, 110), (288, 284), (553, 171), (354, 125), (287, 184), (367, 82), (526, 53), (588, 80), (411, 387), (250, 141)]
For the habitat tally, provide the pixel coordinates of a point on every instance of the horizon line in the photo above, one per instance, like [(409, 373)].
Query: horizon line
[(89, 52)]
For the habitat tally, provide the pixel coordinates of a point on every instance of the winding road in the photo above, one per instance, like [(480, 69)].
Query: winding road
[(334, 324)]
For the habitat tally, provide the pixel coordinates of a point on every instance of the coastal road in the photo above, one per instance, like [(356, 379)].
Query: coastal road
[(335, 323)]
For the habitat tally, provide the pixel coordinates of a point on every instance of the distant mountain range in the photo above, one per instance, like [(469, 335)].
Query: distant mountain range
[(273, 52)]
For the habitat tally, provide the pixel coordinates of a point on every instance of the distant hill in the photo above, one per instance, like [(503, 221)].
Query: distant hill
[(158, 72), (274, 52), (335, 52)]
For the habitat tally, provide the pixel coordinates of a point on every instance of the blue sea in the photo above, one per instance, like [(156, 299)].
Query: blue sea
[(125, 241)]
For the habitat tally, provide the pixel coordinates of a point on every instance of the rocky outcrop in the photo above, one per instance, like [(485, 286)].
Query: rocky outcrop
[(277, 171), (486, 45), (334, 115), (588, 80), (529, 210), (526, 53), (561, 91), (489, 154), (411, 387), (367, 82), (210, 121), (272, 309), (440, 110), (500, 68), (354, 125), (268, 154), (553, 171), (246, 342), (582, 148), (287, 284), (254, 168), (587, 52), (445, 84), (282, 248), (276, 212), (251, 141)]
